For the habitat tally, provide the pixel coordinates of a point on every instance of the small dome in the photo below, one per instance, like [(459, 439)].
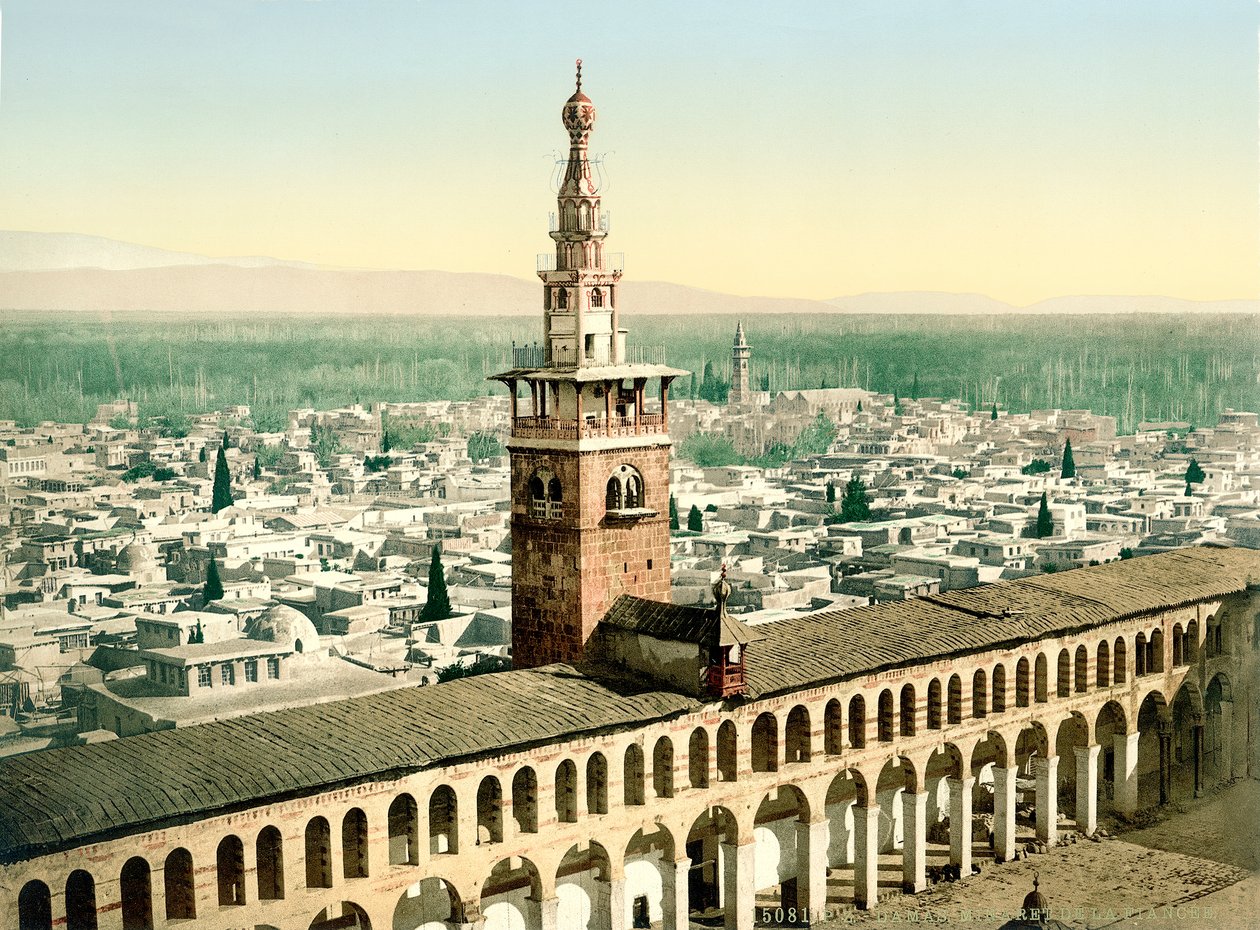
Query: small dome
[(136, 557), (286, 626), (1036, 907), (579, 113)]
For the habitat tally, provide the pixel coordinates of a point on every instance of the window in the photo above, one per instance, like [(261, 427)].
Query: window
[(203, 676), (251, 670), (545, 495), (227, 674), (273, 667), (625, 489)]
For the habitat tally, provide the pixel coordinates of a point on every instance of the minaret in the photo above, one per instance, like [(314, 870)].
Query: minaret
[(741, 351), (590, 449)]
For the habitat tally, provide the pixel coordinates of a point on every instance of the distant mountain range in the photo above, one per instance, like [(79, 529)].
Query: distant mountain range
[(71, 272)]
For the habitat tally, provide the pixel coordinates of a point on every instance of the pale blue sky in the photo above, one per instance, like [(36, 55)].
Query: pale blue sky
[(1015, 148)]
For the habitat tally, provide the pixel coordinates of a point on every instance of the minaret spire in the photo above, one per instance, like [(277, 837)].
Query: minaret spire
[(579, 75)]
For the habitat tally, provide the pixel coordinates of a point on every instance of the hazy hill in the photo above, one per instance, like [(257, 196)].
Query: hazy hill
[(62, 271)]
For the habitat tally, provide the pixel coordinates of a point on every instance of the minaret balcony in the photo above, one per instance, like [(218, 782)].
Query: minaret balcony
[(645, 424)]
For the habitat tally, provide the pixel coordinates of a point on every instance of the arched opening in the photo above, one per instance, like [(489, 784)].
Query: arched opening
[(1021, 683), (886, 719), (404, 831), (1082, 670), (597, 784), (934, 704), (343, 914), (553, 490), (649, 859), (1187, 762), (1178, 653), (318, 854), (857, 722), (136, 890), (897, 787), (1032, 748), (782, 849), (999, 689), (1103, 671), (354, 844), (1073, 734), (489, 811), (525, 800), (833, 728), (612, 496), (80, 901), (1153, 725), (562, 298), (979, 693), (229, 861), (1040, 684), (1109, 731), (698, 758), (633, 775), (727, 752), (269, 849), (597, 297), (1218, 723), (566, 792), (846, 793), (663, 768), (1139, 655), (797, 737), (1155, 652), (429, 904), (765, 744), (177, 881), (511, 896), (710, 869), (443, 822), (1119, 661), (907, 712), (954, 705), (584, 888), (35, 907), (1063, 684), (1190, 643)]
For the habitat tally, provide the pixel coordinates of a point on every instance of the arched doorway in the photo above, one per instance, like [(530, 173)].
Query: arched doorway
[(782, 858), (1154, 725), (511, 897), (1077, 795), (584, 888), (1187, 744), (431, 904), (1218, 705), (654, 880), (1036, 781), (344, 915), (712, 842)]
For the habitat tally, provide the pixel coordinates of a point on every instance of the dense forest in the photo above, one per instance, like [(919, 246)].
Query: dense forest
[(59, 367)]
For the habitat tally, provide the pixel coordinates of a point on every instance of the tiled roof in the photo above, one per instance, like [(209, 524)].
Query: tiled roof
[(659, 619)]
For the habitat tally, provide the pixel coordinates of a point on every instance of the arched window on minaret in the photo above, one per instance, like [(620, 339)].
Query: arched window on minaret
[(584, 216), (597, 298), (570, 216), (612, 497), (562, 298)]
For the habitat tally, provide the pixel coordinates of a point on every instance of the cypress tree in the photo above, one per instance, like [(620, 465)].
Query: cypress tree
[(1189, 490), (213, 588), (226, 442), (993, 415), (695, 520), (855, 506), (859, 407), (1045, 522), (831, 492), (1194, 472), (1069, 463), (257, 468), (221, 496), (201, 454), (673, 513), (438, 604)]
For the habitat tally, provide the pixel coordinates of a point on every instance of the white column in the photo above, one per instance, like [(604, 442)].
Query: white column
[(1087, 789), (675, 899), (1125, 794), (618, 907), (866, 856), (960, 823), (914, 848), (549, 914), (811, 865), (739, 899), (1227, 740), (1004, 813), (1046, 773)]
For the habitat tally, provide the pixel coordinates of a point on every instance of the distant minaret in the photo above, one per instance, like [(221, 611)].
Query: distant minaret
[(741, 390)]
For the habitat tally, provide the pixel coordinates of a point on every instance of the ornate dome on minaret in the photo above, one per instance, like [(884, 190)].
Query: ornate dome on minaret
[(579, 112)]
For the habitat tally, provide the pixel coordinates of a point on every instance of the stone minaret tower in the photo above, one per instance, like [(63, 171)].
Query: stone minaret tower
[(590, 443), (741, 351)]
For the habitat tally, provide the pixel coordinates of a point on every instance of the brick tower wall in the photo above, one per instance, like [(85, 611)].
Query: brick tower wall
[(567, 572)]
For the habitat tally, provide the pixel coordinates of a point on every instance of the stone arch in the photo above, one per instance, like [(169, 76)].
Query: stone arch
[(318, 848), (443, 821), (1155, 652), (525, 800), (80, 901), (765, 743), (1119, 661), (1022, 678), (229, 862), (489, 811), (430, 904), (584, 888), (35, 906), (1081, 670), (698, 758), (954, 700), (886, 717), (941, 771), (847, 790), (994, 751), (649, 863), (1139, 655), (404, 831), (897, 777), (727, 752), (1102, 672), (663, 768), (797, 743), (710, 869), (778, 844), (934, 704), (908, 710), (1033, 741), (624, 490), (979, 694), (354, 844), (999, 688), (633, 774), (136, 890), (342, 914), (512, 895), (1190, 643), (1153, 723), (269, 856), (1218, 707), (833, 728), (857, 722), (1063, 680), (1187, 711), (1178, 645), (597, 784), (566, 792), (1040, 679), (179, 885)]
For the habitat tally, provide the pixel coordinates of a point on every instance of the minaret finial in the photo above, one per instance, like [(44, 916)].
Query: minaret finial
[(579, 75)]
